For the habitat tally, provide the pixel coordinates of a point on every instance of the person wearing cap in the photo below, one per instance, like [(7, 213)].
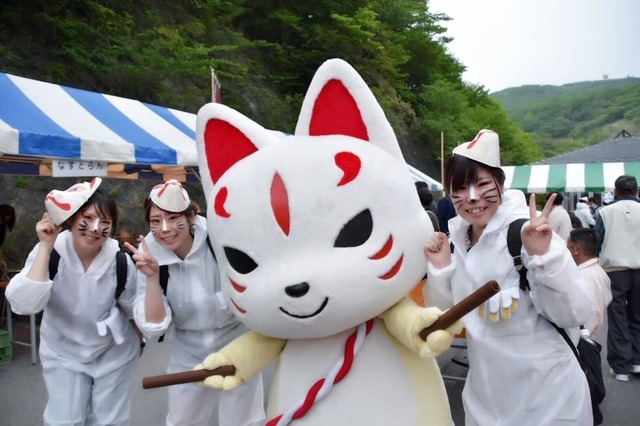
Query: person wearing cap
[(522, 372), (88, 347), (618, 228), (583, 212), (607, 198), (193, 305)]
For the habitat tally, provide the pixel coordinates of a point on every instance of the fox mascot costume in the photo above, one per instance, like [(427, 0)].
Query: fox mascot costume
[(319, 238)]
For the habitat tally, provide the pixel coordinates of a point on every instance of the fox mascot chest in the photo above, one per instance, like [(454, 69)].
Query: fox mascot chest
[(318, 234)]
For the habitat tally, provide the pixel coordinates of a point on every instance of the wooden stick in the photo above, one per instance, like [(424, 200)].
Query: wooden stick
[(447, 319), (185, 377), (462, 308)]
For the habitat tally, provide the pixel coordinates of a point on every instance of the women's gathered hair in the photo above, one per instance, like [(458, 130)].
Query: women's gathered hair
[(188, 212), (105, 206), (462, 171)]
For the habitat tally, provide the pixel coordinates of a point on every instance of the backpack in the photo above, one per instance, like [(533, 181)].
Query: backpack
[(121, 269), (587, 351)]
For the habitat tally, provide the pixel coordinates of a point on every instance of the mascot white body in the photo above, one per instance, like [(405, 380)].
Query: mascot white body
[(319, 237)]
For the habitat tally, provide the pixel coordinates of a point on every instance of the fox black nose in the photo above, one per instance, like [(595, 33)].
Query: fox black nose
[(297, 290)]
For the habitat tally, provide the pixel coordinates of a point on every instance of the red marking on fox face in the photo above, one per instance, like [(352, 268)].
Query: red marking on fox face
[(237, 287), (394, 270), (350, 164), (61, 206), (280, 203), (238, 308), (164, 187), (218, 204), (384, 250)]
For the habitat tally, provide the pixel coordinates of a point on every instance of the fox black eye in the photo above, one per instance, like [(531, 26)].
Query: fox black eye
[(240, 261), (357, 231)]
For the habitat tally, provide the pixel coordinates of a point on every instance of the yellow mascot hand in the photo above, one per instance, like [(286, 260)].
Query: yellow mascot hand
[(217, 382), (437, 341)]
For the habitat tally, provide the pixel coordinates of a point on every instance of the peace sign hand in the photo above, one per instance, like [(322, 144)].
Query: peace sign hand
[(145, 262), (536, 236)]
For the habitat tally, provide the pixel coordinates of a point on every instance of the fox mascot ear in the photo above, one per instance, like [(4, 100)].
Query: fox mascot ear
[(224, 137), (339, 102)]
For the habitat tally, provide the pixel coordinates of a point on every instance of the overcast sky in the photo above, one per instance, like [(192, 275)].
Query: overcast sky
[(510, 43)]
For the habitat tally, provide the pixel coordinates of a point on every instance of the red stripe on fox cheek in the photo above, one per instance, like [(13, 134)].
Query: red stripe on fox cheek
[(394, 270), (384, 250), (280, 203), (238, 308), (218, 204), (237, 287)]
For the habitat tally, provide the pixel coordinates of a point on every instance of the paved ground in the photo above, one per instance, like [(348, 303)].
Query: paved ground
[(23, 396)]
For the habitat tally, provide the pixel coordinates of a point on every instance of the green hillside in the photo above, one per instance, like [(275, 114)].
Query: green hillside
[(577, 115)]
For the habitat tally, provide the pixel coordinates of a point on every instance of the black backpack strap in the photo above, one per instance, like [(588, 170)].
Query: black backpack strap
[(121, 272), (54, 260), (514, 243), (164, 281), (566, 338), (211, 248), (164, 278)]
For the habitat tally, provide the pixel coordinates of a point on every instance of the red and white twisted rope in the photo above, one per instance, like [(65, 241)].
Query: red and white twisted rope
[(322, 387)]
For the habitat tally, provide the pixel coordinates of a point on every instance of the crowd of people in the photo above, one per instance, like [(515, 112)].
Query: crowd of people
[(579, 272)]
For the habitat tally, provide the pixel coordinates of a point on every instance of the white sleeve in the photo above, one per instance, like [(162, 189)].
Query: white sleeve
[(437, 290), (558, 290), (27, 296)]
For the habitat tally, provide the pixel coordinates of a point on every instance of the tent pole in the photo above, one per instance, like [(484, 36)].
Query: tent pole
[(442, 158)]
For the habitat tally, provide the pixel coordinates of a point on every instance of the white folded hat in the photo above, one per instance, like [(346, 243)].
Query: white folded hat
[(61, 205), (170, 196), (484, 148)]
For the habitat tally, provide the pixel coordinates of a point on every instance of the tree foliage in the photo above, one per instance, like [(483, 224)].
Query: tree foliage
[(264, 53)]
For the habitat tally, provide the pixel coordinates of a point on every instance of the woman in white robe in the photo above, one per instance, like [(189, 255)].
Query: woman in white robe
[(194, 305), (88, 347), (521, 371)]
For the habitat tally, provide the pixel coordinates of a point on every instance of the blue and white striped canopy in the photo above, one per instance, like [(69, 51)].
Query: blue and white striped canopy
[(40, 119), (44, 122)]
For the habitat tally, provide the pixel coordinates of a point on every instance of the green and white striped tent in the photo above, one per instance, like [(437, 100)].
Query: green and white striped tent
[(573, 177)]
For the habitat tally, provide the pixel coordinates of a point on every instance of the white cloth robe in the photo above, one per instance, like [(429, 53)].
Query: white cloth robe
[(74, 304), (521, 370), (600, 283)]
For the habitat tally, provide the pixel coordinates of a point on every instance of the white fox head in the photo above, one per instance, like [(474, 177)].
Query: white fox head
[(315, 232)]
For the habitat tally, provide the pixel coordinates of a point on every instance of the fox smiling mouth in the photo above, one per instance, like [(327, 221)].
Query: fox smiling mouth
[(320, 309)]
